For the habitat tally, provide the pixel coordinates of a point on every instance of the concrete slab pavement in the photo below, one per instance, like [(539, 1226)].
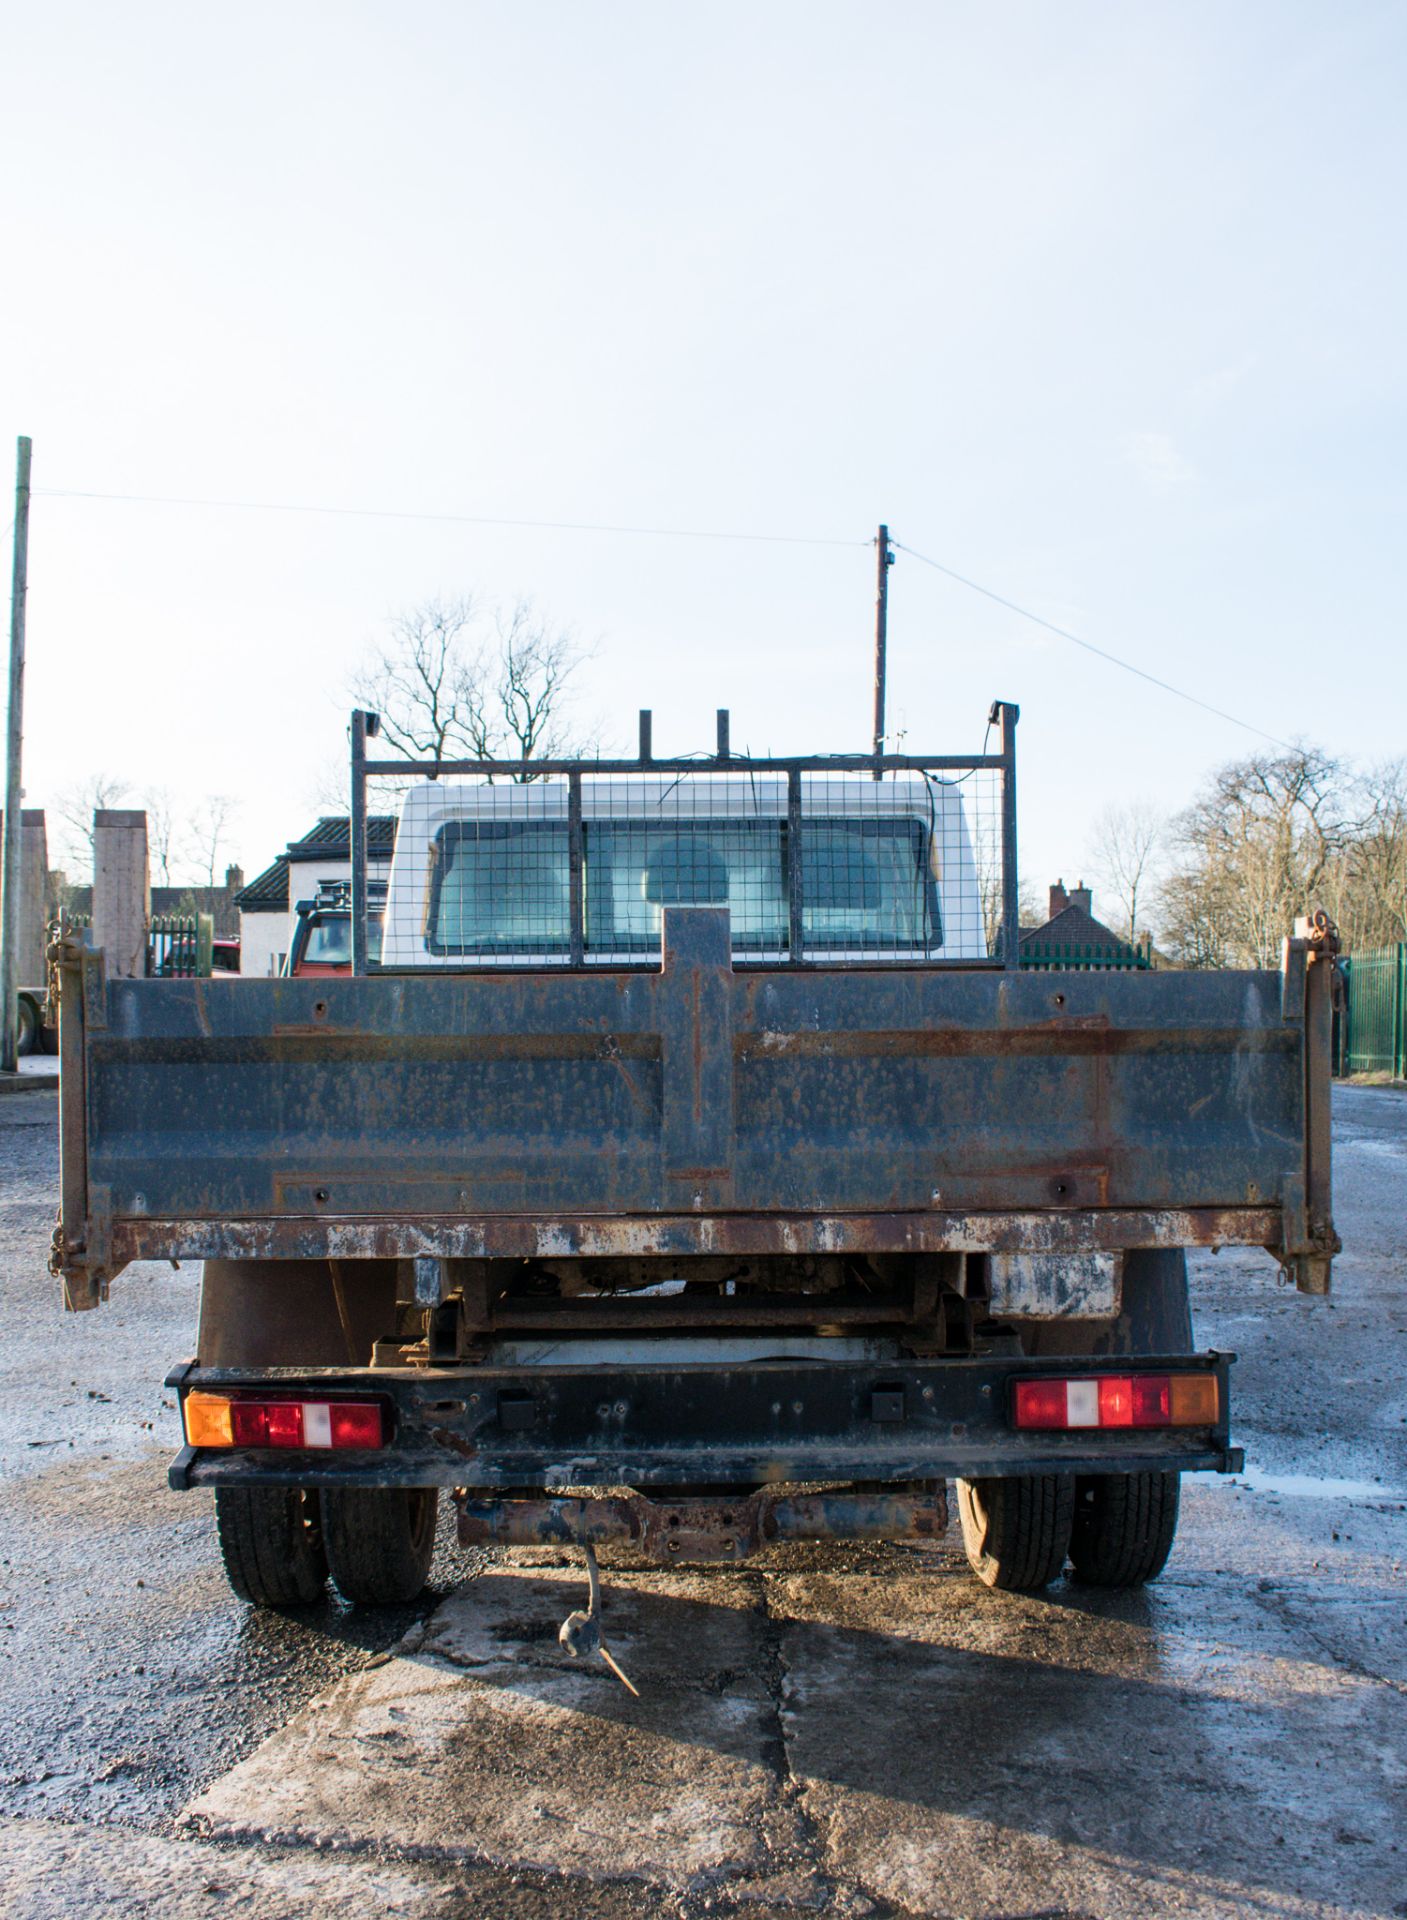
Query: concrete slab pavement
[(484, 1740), (875, 1730)]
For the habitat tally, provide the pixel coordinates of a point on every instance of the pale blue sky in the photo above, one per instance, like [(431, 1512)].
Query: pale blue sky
[(1101, 305)]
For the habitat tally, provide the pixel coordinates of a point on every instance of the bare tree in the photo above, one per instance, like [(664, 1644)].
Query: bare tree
[(1127, 848), (163, 820), (459, 679), (1369, 877), (1257, 847), (324, 788), (535, 668), (987, 857), (426, 682), (207, 834), (74, 808)]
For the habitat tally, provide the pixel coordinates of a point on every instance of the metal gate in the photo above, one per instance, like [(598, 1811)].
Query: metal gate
[(180, 946), (1373, 1023)]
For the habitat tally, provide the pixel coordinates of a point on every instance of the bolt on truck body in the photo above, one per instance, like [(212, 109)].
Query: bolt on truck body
[(695, 1168)]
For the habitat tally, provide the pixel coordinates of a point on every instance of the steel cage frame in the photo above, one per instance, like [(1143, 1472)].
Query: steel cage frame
[(1002, 717)]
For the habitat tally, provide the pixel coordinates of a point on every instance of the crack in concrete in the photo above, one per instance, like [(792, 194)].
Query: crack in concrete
[(685, 1903), (1274, 1602), (789, 1786)]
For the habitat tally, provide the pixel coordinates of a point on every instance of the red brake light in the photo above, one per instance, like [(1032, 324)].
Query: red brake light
[(1151, 1400), (249, 1424), (1116, 1403), (355, 1424), (1039, 1403), (285, 1425)]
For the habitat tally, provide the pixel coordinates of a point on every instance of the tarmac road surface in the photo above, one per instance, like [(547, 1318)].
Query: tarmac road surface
[(827, 1730)]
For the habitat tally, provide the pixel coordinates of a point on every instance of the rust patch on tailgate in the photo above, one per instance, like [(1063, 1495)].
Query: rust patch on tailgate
[(1077, 1037), (527, 1237)]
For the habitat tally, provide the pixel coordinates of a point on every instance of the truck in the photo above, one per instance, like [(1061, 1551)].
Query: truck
[(695, 1168), (322, 932)]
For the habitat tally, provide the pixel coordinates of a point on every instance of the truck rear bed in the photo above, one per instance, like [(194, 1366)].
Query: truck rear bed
[(698, 1108)]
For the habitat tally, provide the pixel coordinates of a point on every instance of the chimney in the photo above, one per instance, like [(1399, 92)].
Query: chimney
[(1083, 898), (1059, 899), (234, 880)]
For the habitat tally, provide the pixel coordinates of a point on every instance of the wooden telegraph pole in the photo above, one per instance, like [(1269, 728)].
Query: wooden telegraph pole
[(10, 881), (884, 561)]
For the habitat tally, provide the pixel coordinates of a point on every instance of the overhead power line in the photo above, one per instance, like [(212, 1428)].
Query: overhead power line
[(1102, 653), (669, 533), (450, 519)]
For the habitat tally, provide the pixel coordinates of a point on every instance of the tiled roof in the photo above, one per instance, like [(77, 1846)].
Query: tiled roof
[(267, 892), (330, 839), (1073, 927), (333, 835)]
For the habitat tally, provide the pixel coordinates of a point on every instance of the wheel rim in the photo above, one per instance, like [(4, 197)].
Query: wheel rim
[(979, 1514), (422, 1505), (309, 1521)]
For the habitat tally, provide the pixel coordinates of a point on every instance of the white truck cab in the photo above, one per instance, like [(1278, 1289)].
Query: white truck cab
[(482, 870)]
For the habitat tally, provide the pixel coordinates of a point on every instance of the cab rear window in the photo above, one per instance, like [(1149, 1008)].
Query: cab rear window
[(501, 887)]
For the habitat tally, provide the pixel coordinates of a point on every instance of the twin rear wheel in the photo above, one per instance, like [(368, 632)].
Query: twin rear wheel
[(1116, 1529), (280, 1543)]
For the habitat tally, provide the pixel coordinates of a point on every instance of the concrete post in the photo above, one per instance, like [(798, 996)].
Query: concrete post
[(31, 964), (121, 889), (34, 897)]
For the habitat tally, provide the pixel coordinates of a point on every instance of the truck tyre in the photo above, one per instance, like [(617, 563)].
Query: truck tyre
[(26, 1026), (380, 1541), (1017, 1531), (271, 1543), (1124, 1527)]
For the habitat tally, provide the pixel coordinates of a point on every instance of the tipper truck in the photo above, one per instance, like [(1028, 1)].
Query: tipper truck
[(695, 1168)]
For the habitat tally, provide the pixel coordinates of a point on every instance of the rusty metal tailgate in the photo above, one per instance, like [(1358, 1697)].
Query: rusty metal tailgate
[(693, 1107)]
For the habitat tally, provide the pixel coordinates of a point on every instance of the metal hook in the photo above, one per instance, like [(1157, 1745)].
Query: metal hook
[(580, 1633)]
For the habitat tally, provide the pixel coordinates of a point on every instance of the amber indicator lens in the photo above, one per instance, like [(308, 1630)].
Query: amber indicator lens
[(1195, 1400)]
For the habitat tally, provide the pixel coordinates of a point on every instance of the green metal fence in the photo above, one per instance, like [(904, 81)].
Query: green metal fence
[(1373, 1022), (180, 945), (1086, 959)]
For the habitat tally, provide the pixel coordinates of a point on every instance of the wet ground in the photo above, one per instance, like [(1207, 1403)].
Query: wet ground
[(859, 1732)]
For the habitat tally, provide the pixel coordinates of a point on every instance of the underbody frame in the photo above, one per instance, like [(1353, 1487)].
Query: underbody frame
[(680, 1426)]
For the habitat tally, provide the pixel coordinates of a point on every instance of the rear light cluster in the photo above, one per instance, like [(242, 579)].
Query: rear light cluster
[(218, 1420), (1118, 1400)]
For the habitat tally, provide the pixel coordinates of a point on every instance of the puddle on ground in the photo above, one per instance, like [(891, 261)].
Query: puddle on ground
[(1309, 1486), (1373, 1143)]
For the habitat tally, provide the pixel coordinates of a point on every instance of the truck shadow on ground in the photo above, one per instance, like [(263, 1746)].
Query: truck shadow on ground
[(1177, 1732)]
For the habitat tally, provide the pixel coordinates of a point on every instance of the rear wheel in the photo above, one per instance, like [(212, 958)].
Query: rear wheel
[(1124, 1527), (1017, 1531), (26, 1027), (271, 1543), (380, 1541)]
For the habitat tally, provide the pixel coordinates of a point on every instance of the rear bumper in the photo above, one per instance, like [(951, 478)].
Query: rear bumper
[(703, 1425)]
